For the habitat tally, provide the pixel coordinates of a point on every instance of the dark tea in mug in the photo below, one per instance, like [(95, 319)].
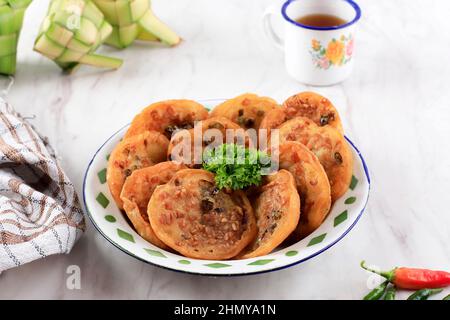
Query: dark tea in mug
[(321, 20)]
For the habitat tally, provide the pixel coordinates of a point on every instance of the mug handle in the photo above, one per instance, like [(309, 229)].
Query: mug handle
[(273, 10)]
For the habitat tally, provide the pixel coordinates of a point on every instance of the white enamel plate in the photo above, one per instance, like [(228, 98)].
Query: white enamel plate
[(111, 223)]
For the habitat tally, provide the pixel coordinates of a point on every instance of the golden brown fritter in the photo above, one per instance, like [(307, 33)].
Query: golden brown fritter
[(136, 194), (277, 212), (193, 217), (136, 152), (246, 110), (167, 116), (312, 185), (273, 119), (330, 147), (315, 107), (210, 127)]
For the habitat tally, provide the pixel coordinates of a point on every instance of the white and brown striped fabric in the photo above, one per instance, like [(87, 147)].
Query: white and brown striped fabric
[(40, 213)]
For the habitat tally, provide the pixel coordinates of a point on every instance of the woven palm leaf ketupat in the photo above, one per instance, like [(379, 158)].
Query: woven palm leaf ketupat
[(11, 19), (71, 33), (134, 19)]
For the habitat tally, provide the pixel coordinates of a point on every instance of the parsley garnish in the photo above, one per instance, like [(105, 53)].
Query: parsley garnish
[(235, 166)]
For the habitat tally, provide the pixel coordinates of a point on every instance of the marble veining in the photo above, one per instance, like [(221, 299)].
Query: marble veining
[(395, 107)]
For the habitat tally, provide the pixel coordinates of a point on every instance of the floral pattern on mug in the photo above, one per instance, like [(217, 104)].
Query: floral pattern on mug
[(337, 53)]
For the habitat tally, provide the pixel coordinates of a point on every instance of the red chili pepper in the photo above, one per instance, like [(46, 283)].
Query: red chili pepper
[(413, 279)]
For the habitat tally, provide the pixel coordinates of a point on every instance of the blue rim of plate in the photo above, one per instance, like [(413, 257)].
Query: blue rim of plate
[(354, 5), (366, 172)]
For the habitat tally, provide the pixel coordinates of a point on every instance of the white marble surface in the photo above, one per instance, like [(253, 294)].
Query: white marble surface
[(396, 107)]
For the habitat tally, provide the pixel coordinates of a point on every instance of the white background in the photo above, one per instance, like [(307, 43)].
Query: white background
[(396, 107)]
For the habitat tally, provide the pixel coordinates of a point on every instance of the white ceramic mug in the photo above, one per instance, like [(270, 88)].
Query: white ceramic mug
[(318, 56)]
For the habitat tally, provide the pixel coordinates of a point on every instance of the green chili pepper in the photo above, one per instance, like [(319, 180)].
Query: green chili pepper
[(390, 293), (377, 293), (423, 294), (447, 297)]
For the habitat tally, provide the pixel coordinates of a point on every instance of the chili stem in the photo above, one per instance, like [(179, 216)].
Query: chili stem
[(389, 275)]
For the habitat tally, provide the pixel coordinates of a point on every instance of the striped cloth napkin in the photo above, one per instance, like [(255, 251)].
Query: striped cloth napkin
[(40, 214)]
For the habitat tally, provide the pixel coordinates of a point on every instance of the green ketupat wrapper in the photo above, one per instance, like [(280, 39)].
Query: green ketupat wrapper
[(134, 19), (11, 19), (71, 33)]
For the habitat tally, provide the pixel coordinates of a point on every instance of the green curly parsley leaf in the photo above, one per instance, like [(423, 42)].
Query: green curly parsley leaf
[(235, 166)]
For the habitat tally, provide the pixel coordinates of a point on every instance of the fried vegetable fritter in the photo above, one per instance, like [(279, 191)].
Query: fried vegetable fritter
[(312, 185), (167, 116), (277, 211), (330, 147), (136, 152), (246, 110), (136, 194), (192, 216), (315, 107)]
